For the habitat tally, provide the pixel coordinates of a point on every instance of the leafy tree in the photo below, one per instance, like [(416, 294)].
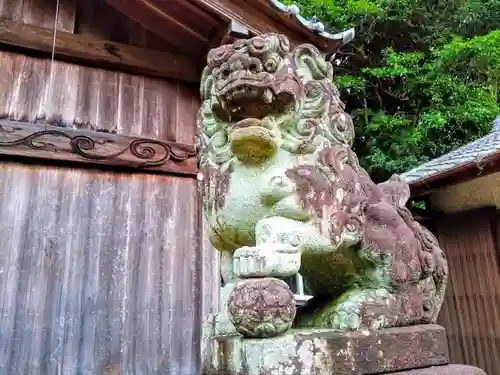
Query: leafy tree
[(420, 78)]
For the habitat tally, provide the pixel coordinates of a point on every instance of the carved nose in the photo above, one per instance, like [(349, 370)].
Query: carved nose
[(254, 65), (244, 62)]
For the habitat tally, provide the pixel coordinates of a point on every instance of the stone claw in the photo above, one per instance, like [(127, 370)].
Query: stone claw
[(256, 262)]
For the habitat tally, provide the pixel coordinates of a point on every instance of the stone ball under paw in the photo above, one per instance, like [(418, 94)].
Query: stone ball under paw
[(261, 308)]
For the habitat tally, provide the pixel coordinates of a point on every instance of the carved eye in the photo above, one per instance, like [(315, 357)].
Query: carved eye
[(255, 67), (258, 43), (271, 65), (295, 240)]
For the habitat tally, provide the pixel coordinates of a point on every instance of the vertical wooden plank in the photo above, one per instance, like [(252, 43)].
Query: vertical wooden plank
[(475, 278), (128, 104), (151, 114), (185, 344), (168, 278), (448, 317), (133, 230), (14, 209), (88, 98), (11, 9), (66, 19), (9, 66), (43, 13), (99, 20), (108, 101), (61, 93), (138, 89), (187, 106), (89, 21), (28, 93)]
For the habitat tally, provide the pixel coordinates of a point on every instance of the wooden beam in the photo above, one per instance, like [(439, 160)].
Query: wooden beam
[(242, 12), (153, 17), (96, 148), (99, 53), (228, 33), (252, 15)]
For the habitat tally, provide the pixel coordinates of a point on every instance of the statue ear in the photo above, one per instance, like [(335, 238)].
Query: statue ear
[(311, 64)]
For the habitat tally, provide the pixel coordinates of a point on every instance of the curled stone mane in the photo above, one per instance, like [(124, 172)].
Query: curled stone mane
[(306, 114)]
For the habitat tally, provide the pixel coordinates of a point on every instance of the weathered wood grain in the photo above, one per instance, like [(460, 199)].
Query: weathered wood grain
[(471, 308), (82, 146), (105, 54), (76, 96), (254, 16), (182, 23), (43, 13), (98, 273)]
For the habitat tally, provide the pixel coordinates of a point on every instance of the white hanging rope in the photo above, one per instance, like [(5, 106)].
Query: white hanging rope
[(53, 52), (55, 31)]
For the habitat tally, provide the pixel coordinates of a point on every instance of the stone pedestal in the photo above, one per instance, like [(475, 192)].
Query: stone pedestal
[(417, 350), (444, 370)]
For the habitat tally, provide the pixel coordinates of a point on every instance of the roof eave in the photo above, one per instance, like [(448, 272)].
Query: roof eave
[(459, 174), (334, 41), (263, 16)]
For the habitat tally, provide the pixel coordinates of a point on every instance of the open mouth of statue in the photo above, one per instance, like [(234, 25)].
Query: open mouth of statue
[(243, 98), (249, 108)]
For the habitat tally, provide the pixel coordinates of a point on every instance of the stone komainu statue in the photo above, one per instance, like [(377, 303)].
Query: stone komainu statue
[(283, 192)]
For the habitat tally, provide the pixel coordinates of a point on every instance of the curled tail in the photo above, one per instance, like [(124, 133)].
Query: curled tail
[(434, 266), (434, 276)]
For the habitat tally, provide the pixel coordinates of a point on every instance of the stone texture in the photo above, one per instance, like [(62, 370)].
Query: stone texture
[(261, 307), (283, 191), (322, 352), (444, 370)]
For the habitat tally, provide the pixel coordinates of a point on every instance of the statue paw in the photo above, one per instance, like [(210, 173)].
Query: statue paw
[(261, 307), (262, 262), (369, 309)]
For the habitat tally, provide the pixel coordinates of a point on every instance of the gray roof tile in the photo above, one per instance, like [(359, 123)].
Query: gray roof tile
[(313, 24), (471, 152)]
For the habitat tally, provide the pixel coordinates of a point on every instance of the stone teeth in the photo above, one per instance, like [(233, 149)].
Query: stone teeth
[(223, 103), (268, 96)]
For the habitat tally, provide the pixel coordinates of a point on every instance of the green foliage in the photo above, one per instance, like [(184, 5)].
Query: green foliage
[(420, 78)]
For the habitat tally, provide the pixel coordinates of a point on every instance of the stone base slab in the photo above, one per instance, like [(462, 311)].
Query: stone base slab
[(328, 352), (444, 370)]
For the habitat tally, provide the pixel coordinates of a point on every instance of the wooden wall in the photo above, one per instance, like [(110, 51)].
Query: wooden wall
[(93, 18), (96, 270), (471, 312), (100, 272)]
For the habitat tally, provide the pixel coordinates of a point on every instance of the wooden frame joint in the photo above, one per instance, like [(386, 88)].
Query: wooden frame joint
[(229, 32)]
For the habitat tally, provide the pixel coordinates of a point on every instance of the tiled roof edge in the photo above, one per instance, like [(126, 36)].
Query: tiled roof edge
[(431, 168), (313, 25)]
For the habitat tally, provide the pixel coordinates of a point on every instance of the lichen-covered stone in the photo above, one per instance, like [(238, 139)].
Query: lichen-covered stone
[(444, 370), (283, 191), (325, 352), (261, 307)]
